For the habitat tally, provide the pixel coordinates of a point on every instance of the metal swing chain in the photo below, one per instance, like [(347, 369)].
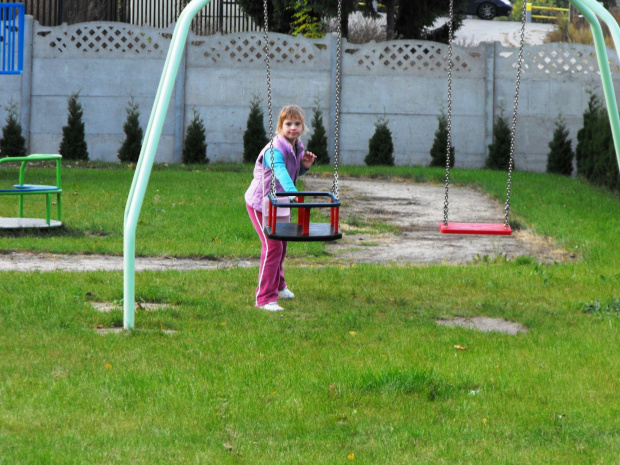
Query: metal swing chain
[(272, 186), (449, 116), (514, 117), (337, 103)]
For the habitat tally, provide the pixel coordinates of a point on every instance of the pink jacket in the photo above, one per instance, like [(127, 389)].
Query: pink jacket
[(262, 175)]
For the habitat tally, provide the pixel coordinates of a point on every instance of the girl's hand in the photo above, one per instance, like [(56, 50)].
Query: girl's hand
[(308, 159)]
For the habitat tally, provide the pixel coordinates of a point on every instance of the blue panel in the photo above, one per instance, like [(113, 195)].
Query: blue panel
[(12, 38)]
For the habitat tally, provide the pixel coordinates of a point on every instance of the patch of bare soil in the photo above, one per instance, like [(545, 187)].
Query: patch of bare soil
[(107, 307), (28, 261), (485, 324), (414, 210)]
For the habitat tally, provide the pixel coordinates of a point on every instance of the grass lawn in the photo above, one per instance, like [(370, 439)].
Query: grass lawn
[(355, 371)]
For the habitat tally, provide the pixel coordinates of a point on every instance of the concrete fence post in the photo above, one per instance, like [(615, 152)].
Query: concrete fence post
[(179, 108), (489, 104)]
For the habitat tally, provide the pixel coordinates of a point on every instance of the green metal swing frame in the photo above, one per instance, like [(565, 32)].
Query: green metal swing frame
[(589, 8)]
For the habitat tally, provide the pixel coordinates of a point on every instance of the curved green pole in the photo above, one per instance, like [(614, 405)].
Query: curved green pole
[(147, 154), (588, 8), (599, 10)]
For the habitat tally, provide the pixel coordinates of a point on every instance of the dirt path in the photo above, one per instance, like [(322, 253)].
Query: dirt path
[(27, 261), (415, 210)]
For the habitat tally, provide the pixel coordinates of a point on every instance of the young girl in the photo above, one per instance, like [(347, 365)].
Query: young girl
[(290, 160)]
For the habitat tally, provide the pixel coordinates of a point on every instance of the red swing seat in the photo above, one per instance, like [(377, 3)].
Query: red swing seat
[(489, 229)]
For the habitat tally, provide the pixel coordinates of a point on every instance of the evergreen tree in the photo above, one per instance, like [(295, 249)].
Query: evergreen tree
[(195, 144), (73, 145), (604, 171), (499, 150), (255, 137), (560, 157), (132, 145), (440, 144), (380, 146), (584, 152), (595, 151), (12, 143), (318, 142)]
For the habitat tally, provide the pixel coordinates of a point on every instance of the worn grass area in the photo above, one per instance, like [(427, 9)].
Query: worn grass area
[(355, 371), (187, 212), (199, 210)]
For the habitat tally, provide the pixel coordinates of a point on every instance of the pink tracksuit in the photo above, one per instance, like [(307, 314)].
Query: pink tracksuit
[(271, 272)]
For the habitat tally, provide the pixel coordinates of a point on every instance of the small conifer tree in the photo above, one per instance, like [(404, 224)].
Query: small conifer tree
[(255, 136), (318, 142), (132, 145), (584, 151), (380, 145), (604, 171), (595, 151), (195, 144), (440, 144), (499, 150), (12, 143), (73, 145), (560, 157)]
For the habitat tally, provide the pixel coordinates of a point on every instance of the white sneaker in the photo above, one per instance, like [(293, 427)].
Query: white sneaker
[(286, 294), (271, 307)]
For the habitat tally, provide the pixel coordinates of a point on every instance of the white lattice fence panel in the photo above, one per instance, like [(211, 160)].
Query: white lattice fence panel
[(247, 49), (558, 59), (115, 39), (427, 58)]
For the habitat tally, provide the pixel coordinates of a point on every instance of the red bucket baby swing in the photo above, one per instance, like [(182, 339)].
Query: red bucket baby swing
[(303, 230)]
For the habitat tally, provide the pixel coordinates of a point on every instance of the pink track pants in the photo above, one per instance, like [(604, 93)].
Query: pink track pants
[(271, 270)]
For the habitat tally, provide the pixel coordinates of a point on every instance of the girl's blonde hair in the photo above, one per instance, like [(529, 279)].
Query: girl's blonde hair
[(291, 112)]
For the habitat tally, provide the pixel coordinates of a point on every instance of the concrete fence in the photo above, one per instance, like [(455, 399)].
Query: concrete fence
[(403, 81)]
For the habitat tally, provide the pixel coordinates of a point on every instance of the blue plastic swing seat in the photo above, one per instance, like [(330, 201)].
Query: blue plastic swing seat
[(489, 229)]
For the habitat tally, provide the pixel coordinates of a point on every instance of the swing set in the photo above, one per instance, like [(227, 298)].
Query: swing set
[(590, 10)]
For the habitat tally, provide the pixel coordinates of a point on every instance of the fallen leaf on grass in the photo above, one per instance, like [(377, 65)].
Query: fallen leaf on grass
[(460, 347)]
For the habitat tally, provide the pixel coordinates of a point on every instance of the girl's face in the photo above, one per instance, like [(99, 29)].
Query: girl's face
[(292, 128)]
